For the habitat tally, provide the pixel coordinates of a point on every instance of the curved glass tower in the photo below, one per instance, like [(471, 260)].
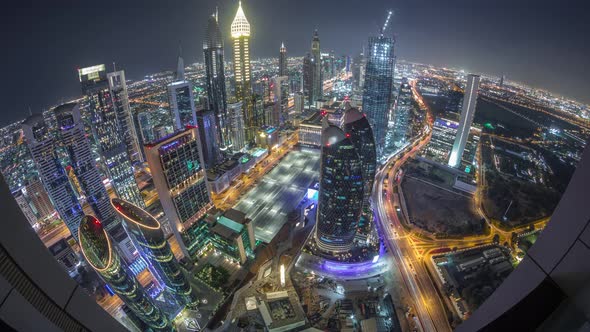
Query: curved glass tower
[(96, 248), (340, 200), (150, 239), (357, 128)]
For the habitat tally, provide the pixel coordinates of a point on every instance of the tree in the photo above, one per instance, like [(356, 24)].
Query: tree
[(496, 239)]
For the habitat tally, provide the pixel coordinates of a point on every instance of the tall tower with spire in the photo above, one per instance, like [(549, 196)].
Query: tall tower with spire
[(317, 86), (215, 76), (181, 99), (283, 60), (240, 33)]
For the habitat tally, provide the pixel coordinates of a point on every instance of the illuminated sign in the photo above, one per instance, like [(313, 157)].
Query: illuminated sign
[(92, 72)]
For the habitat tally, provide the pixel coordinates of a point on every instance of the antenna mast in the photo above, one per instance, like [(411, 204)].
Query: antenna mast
[(389, 13)]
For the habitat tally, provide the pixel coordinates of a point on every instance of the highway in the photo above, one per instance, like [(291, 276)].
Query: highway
[(427, 304)]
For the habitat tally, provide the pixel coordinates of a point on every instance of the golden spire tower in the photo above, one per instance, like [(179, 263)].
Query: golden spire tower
[(240, 33)]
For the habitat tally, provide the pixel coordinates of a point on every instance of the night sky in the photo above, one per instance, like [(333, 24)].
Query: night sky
[(541, 43)]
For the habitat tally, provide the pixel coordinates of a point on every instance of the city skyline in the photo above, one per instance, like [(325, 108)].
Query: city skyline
[(277, 193), (513, 28)]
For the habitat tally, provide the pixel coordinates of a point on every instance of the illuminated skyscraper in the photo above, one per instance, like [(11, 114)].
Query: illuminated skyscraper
[(70, 142), (283, 61), (340, 199), (149, 237), (317, 91), (378, 84), (106, 95), (465, 120), (402, 115), (215, 76), (240, 33), (176, 163), (181, 99), (42, 144), (357, 128), (96, 247), (107, 92)]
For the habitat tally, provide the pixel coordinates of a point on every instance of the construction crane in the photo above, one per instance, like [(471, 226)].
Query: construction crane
[(389, 14)]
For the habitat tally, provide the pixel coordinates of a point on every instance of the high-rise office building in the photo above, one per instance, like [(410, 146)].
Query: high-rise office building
[(148, 236), (176, 163), (106, 97), (181, 99), (317, 91), (240, 33), (107, 92), (402, 112), (42, 146), (215, 77), (207, 137), (283, 61), (69, 141), (465, 120), (378, 85), (340, 199), (235, 116), (280, 92), (358, 130), (96, 247)]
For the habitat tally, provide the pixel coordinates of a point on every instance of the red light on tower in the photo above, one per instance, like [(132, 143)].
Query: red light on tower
[(97, 222), (347, 135)]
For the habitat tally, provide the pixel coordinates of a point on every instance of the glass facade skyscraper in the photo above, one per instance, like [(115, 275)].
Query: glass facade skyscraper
[(357, 128), (147, 234), (176, 163), (378, 85), (465, 120), (340, 199), (96, 247), (42, 144), (215, 76), (207, 137), (182, 104), (402, 115), (111, 125)]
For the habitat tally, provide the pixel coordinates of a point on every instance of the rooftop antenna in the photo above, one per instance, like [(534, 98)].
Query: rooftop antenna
[(30, 111), (216, 14), (114, 66), (389, 13)]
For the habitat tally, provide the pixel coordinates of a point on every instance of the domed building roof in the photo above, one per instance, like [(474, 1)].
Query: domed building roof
[(332, 135)]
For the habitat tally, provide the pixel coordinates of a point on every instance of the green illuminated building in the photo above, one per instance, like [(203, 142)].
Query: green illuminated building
[(231, 233)]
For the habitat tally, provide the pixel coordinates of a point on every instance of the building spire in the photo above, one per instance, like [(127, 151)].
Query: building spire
[(216, 14), (180, 64), (240, 26)]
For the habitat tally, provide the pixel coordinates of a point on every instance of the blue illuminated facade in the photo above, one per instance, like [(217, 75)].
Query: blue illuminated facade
[(378, 86)]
